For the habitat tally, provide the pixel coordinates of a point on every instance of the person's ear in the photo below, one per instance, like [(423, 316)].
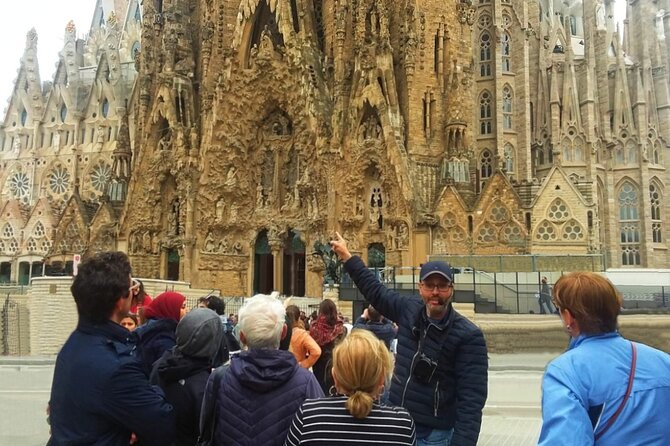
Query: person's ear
[(284, 331), (243, 338)]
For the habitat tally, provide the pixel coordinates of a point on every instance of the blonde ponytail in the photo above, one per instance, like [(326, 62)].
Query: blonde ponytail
[(360, 364), (359, 404)]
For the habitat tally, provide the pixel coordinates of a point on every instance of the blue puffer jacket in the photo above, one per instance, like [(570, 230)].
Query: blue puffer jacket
[(592, 376), (100, 394), (455, 395), (260, 394), (383, 330), (153, 339)]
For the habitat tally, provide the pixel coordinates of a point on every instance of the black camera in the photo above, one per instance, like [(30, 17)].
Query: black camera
[(424, 369)]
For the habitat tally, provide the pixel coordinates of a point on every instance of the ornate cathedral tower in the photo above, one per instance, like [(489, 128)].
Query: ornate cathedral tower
[(264, 126)]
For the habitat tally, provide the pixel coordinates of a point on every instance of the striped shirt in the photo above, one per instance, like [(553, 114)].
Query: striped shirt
[(326, 421)]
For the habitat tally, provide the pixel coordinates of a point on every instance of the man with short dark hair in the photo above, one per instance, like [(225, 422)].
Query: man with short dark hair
[(441, 367), (100, 395), (372, 320)]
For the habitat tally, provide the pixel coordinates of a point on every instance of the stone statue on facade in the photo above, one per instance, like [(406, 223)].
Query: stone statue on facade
[(220, 208)]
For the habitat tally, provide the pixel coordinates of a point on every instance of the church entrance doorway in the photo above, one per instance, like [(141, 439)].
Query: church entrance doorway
[(263, 265), (172, 265), (294, 265)]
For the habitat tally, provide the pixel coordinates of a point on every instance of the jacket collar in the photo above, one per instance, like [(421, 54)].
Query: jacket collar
[(576, 342), (109, 329)]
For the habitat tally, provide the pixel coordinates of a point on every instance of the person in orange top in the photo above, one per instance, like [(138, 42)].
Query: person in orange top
[(303, 346)]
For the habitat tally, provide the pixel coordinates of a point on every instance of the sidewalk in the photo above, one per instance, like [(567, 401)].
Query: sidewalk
[(512, 415)]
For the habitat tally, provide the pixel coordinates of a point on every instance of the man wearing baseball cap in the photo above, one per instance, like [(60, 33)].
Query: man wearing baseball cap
[(441, 368)]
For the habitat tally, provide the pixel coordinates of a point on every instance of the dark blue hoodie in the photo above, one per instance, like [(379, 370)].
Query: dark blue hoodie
[(259, 396)]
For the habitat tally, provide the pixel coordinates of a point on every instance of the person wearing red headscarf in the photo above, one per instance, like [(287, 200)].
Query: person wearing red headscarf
[(158, 334)]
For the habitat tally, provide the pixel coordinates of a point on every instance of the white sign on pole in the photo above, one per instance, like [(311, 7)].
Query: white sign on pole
[(76, 260)]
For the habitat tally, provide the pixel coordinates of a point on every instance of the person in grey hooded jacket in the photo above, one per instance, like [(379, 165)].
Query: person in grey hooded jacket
[(183, 372)]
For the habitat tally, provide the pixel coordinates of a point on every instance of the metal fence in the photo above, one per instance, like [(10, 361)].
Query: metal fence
[(511, 293), (15, 330)]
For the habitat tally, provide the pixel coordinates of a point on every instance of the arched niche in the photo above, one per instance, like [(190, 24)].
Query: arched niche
[(293, 265)]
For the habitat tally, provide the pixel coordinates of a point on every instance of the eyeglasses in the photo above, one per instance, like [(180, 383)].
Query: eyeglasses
[(444, 286)]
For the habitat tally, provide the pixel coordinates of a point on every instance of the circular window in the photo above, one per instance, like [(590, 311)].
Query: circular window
[(59, 180), (19, 185), (100, 176)]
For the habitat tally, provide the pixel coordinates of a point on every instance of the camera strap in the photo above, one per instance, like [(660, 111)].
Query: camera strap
[(424, 324)]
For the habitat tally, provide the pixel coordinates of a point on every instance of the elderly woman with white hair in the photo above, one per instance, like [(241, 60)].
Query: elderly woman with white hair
[(264, 386)]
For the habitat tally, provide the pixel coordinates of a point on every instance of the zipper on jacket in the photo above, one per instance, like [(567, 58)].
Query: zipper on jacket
[(437, 397), (409, 378)]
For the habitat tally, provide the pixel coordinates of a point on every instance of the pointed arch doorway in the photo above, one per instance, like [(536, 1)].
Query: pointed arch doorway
[(293, 268), (263, 265)]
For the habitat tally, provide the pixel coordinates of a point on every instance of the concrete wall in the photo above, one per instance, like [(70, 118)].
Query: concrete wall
[(534, 333)]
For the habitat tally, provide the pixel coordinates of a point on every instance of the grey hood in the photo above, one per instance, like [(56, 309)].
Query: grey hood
[(199, 333)]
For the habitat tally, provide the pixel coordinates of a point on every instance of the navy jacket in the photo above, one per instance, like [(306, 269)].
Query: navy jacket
[(456, 393), (155, 338), (384, 330), (259, 395), (100, 395)]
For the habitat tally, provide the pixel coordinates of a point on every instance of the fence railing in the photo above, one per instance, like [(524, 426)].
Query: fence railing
[(509, 292)]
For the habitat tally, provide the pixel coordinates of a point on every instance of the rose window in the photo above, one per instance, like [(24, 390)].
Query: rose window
[(100, 176), (59, 180), (19, 185)]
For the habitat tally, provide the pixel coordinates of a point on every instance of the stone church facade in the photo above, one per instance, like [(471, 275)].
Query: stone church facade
[(241, 135)]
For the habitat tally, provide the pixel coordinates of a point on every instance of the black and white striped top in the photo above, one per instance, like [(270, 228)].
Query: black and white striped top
[(326, 421)]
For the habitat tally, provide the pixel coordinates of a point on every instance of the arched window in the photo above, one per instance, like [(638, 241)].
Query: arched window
[(485, 54), (509, 158), (656, 220), (629, 224), (105, 108), (63, 112), (507, 107), (24, 117), (485, 114), (486, 164), (505, 48)]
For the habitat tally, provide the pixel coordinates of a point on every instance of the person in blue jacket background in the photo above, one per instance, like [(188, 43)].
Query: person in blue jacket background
[(605, 390)]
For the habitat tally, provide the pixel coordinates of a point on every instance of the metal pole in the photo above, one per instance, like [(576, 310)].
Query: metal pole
[(518, 308), (495, 290)]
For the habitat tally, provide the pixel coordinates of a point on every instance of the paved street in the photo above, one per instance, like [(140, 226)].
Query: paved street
[(511, 417)]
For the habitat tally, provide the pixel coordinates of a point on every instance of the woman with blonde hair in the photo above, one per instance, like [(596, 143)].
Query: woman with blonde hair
[(361, 365), (605, 390)]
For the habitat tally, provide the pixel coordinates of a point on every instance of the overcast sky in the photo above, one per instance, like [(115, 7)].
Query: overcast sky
[(49, 18)]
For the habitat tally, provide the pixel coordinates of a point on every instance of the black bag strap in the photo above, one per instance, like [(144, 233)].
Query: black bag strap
[(208, 412), (631, 377)]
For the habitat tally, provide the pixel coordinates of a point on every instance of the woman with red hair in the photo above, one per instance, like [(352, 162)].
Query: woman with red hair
[(158, 334)]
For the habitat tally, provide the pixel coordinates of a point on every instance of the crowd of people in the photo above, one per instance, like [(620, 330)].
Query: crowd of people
[(148, 372)]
